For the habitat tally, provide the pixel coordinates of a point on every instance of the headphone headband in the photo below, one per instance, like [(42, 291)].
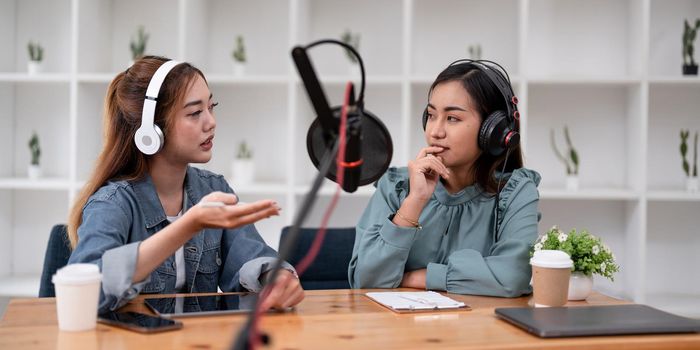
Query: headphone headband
[(502, 81), (149, 137)]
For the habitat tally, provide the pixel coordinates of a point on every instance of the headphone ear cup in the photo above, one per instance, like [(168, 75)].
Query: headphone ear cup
[(491, 133), (149, 140), (425, 118)]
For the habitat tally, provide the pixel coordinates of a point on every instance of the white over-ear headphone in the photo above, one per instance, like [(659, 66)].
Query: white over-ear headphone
[(149, 138)]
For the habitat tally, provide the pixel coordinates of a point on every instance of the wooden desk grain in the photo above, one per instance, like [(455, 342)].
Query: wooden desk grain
[(338, 319)]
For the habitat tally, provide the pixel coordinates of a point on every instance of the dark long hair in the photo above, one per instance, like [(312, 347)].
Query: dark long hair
[(119, 158), (487, 98)]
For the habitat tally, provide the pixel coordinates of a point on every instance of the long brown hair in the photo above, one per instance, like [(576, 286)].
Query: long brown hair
[(119, 158), (487, 98)]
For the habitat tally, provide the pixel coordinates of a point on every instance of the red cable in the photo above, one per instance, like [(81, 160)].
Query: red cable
[(254, 338)]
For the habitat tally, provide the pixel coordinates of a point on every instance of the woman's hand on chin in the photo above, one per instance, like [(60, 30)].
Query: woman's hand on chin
[(425, 171)]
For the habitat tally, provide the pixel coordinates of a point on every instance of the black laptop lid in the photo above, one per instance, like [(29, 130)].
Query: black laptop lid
[(596, 320)]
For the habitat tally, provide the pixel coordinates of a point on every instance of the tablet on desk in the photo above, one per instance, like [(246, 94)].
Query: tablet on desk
[(185, 306), (596, 320)]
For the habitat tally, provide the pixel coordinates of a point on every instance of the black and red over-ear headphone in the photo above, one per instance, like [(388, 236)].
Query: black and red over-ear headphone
[(499, 131)]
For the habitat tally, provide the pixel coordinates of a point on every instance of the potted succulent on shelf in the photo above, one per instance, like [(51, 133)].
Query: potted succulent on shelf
[(138, 44), (474, 51), (243, 167), (36, 56), (689, 32), (239, 57), (353, 40), (691, 183), (34, 170), (570, 159), (589, 254)]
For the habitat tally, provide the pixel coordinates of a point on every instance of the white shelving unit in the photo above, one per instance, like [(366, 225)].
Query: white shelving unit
[(610, 70)]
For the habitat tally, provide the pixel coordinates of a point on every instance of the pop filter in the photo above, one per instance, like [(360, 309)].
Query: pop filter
[(376, 148), (369, 147)]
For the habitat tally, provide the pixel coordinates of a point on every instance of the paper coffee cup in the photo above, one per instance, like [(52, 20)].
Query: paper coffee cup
[(77, 296), (551, 270)]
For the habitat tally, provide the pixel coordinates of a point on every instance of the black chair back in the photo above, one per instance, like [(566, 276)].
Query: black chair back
[(57, 254), (330, 268)]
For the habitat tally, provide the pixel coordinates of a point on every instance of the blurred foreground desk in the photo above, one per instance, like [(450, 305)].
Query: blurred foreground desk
[(336, 319)]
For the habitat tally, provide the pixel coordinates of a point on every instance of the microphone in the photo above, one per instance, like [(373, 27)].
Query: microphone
[(368, 143)]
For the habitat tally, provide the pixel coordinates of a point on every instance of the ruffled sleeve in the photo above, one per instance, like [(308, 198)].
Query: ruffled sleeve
[(381, 247), (520, 189)]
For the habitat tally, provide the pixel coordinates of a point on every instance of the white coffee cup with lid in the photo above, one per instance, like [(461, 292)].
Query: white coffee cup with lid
[(551, 270), (77, 296)]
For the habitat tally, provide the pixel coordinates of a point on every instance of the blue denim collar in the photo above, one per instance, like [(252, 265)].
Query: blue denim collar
[(147, 196)]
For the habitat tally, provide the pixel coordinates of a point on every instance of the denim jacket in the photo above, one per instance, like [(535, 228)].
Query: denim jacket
[(121, 214)]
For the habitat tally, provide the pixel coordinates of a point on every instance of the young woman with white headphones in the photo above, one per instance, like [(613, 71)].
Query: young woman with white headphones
[(153, 223)]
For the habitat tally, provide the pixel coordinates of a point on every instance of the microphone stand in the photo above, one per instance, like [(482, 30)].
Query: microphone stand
[(242, 340)]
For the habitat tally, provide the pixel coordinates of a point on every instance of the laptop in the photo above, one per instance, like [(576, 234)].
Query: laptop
[(579, 321)]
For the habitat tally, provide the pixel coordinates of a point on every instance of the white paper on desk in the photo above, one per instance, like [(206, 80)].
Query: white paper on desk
[(415, 300)]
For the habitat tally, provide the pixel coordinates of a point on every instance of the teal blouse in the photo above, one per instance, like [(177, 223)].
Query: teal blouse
[(456, 243)]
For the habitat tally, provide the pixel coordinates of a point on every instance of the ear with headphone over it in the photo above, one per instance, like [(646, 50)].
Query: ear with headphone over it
[(149, 137), (498, 131)]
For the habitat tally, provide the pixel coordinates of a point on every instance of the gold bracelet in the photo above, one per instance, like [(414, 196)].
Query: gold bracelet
[(415, 224)]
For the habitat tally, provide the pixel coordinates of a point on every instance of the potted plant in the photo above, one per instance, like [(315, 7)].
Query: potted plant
[(34, 170), (691, 174), (36, 56), (474, 51), (243, 167), (689, 32), (138, 44), (589, 254), (239, 57), (353, 40), (570, 159)]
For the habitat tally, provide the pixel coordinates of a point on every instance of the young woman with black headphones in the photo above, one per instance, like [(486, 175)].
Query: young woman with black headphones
[(152, 222), (462, 215)]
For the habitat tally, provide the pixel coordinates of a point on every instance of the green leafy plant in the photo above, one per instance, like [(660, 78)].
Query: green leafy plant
[(474, 52), (570, 158), (588, 252), (238, 52), (684, 151), (138, 44), (689, 33), (36, 52), (34, 148), (353, 40), (244, 152)]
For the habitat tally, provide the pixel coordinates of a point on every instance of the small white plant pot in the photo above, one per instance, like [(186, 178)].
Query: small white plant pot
[(691, 184), (238, 69), (242, 171), (33, 171), (580, 286), (34, 67), (354, 71), (572, 183)]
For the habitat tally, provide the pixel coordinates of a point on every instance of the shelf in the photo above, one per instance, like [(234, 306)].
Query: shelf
[(687, 305), (38, 184), (35, 78), (224, 79), (673, 196), (342, 79), (20, 286), (590, 194), (257, 188), (96, 77), (584, 80), (329, 189), (675, 80), (428, 79)]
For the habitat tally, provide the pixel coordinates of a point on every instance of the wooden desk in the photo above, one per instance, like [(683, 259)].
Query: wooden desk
[(339, 319)]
